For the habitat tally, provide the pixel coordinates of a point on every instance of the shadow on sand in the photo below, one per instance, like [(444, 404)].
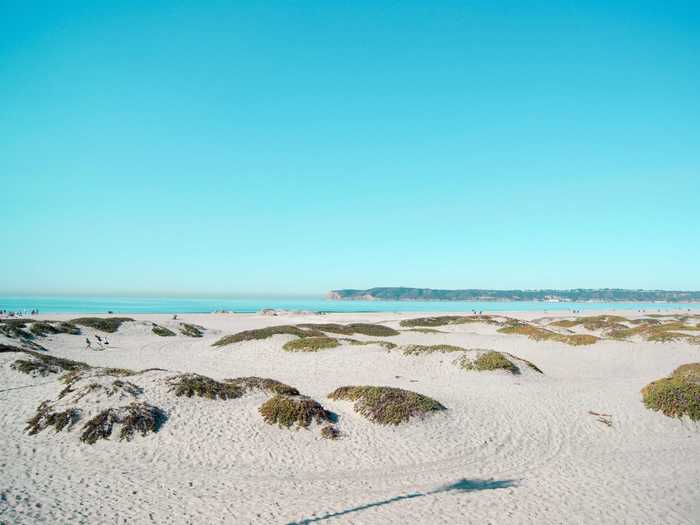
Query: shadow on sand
[(463, 485)]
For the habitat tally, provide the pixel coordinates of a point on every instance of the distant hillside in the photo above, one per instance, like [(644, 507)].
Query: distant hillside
[(576, 295)]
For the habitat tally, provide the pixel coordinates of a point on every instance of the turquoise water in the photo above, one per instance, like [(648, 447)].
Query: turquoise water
[(188, 305)]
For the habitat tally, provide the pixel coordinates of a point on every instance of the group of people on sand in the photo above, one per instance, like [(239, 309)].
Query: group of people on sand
[(99, 345), (21, 313)]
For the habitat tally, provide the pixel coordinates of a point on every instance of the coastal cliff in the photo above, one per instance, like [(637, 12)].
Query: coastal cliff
[(573, 295)]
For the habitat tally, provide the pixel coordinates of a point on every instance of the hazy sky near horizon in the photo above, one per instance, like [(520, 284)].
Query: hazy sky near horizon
[(294, 147)]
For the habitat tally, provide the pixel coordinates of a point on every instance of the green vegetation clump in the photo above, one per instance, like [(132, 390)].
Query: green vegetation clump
[(15, 329), (537, 333), (425, 330), (676, 396), (68, 328), (377, 330), (286, 411), (162, 331), (387, 405), (385, 344), (45, 417), (134, 418), (35, 367), (595, 322), (103, 324), (689, 372), (429, 349), (195, 385), (311, 344), (264, 333), (657, 332), (264, 384), (42, 329), (490, 360), (191, 330), (330, 432), (46, 359), (444, 320)]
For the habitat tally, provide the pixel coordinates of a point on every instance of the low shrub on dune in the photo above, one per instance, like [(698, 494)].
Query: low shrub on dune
[(537, 333), (137, 417), (490, 360), (677, 395), (265, 333), (162, 331), (429, 349), (191, 330), (35, 367), (384, 344), (46, 417), (330, 432), (48, 360), (688, 372), (425, 330), (594, 322), (286, 411), (377, 330), (103, 324), (311, 344), (445, 320), (42, 329), (190, 385), (263, 384), (387, 405)]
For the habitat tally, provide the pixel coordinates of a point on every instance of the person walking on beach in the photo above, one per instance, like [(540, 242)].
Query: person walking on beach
[(89, 345)]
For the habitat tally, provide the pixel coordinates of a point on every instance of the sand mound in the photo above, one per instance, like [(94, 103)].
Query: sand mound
[(103, 324), (162, 331), (387, 405), (263, 384), (537, 333), (311, 344), (677, 395), (299, 411), (201, 386)]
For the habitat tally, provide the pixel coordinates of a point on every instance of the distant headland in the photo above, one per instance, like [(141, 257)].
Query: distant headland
[(574, 295)]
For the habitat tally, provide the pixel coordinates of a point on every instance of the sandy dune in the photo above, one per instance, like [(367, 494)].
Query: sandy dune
[(509, 448)]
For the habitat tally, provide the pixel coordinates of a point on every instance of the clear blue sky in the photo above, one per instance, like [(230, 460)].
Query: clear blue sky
[(294, 147)]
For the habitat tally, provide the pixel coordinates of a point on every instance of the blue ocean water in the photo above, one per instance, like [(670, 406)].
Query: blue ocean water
[(80, 304)]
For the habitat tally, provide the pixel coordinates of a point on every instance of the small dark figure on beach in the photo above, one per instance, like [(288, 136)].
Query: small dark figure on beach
[(98, 338), (89, 344), (174, 316)]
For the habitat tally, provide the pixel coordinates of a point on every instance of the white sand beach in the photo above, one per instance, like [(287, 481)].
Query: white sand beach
[(509, 448)]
